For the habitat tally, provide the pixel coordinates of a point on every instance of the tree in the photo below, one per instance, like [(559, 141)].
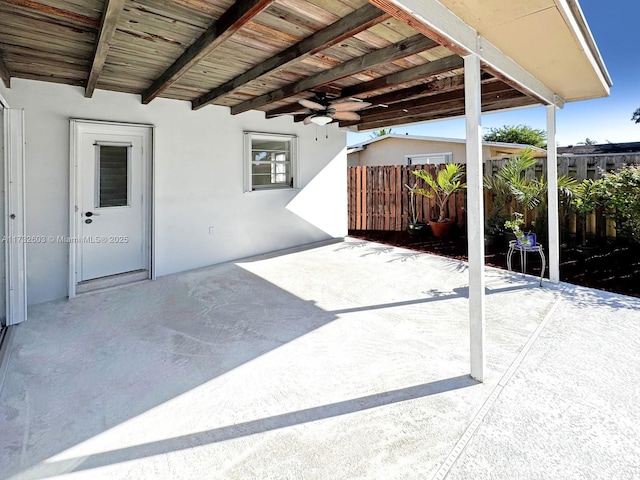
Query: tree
[(636, 116), (522, 134), (381, 133), (588, 141)]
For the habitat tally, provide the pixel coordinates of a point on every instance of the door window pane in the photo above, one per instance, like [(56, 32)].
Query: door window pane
[(113, 171)]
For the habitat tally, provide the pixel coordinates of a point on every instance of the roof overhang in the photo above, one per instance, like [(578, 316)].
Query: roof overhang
[(402, 56), (542, 46)]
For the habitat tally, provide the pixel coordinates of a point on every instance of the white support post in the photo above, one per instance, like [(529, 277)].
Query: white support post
[(475, 215), (552, 203)]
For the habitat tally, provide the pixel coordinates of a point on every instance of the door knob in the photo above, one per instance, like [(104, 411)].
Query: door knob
[(88, 220), (91, 214)]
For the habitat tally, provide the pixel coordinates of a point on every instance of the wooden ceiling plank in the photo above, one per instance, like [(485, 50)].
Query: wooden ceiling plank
[(112, 11), (56, 12), (384, 55), (346, 27), (230, 22), (5, 74)]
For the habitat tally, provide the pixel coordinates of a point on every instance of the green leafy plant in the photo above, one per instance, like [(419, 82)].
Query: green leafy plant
[(620, 194), (446, 182), (515, 226)]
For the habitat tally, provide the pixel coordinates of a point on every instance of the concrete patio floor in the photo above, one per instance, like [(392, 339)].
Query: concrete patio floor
[(344, 361)]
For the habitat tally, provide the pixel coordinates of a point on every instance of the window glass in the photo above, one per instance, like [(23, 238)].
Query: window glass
[(113, 175), (271, 161)]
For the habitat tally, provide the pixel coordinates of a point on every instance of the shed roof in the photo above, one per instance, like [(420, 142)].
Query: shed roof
[(599, 149), (501, 145)]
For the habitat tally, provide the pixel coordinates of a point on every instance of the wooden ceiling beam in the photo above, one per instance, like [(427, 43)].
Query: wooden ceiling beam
[(112, 11), (426, 70), (55, 12), (241, 12), (451, 110), (5, 74), (430, 103), (404, 48), (489, 92), (522, 101), (434, 87), (346, 27)]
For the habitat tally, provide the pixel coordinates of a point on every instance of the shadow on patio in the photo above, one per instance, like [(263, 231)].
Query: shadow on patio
[(323, 360)]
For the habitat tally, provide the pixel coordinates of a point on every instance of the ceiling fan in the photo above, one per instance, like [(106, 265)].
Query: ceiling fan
[(323, 110)]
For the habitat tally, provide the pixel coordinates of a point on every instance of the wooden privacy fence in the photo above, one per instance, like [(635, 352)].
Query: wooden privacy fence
[(379, 199), (579, 167)]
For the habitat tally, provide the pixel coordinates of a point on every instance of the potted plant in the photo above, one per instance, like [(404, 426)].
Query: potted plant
[(414, 226), (447, 182), (522, 239)]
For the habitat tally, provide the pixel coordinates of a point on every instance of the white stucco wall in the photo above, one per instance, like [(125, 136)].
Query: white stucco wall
[(202, 215)]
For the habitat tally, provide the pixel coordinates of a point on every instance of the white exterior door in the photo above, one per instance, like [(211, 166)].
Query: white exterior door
[(112, 204)]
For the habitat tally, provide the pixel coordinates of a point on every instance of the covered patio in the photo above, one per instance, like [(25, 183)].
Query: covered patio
[(342, 360), (357, 64), (348, 360)]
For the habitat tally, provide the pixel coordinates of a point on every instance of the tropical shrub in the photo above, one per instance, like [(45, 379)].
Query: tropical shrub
[(620, 194)]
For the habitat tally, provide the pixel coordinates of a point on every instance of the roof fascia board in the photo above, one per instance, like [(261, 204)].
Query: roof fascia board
[(572, 13), (460, 37)]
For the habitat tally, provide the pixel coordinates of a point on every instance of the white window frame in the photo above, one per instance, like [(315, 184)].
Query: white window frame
[(432, 158), (248, 173)]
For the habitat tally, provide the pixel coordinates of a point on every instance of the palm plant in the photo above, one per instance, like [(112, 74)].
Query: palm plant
[(447, 182), (514, 191), (585, 200)]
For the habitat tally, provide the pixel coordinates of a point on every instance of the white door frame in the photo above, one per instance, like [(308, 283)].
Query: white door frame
[(14, 216), (74, 183)]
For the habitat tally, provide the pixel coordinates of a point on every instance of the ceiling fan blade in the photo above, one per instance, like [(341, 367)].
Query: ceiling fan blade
[(349, 106), (305, 111), (346, 116), (311, 104), (307, 120)]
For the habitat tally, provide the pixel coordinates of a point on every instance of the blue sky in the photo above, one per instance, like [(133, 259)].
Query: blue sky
[(614, 27)]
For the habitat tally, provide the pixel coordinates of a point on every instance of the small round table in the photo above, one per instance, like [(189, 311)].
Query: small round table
[(524, 250)]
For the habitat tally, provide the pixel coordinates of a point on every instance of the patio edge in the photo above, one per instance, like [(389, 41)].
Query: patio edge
[(473, 427)]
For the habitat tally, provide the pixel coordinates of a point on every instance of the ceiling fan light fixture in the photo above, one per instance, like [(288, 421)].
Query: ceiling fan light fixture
[(321, 120)]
